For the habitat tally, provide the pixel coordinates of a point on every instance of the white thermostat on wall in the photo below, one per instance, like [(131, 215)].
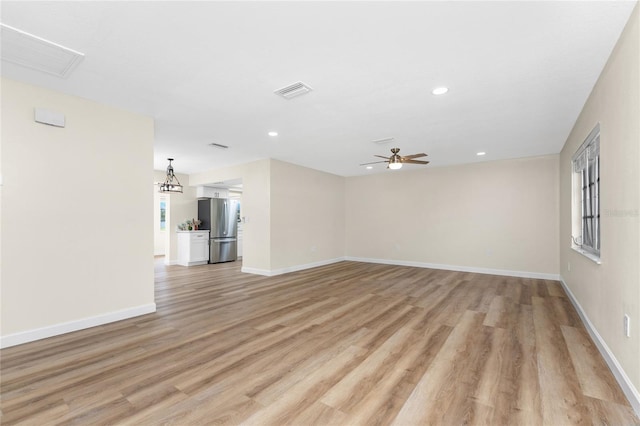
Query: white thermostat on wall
[(49, 117)]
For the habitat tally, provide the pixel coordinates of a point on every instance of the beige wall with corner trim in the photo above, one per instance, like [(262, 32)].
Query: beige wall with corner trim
[(77, 245), (607, 291), (307, 216)]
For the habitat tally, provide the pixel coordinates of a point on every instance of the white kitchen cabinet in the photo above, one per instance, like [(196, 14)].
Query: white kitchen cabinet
[(193, 248), (211, 192)]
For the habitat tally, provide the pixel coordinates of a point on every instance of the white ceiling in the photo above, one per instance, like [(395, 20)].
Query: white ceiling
[(518, 72)]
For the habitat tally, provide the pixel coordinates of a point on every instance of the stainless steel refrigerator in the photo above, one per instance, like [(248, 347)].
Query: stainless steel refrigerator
[(220, 217)]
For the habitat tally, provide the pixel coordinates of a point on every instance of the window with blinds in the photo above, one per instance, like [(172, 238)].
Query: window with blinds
[(586, 194)]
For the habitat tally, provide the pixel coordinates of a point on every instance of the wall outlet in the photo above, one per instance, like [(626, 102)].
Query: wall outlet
[(313, 249), (569, 266), (627, 325)]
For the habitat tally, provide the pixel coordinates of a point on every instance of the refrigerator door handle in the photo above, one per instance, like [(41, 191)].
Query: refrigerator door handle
[(224, 217), (226, 240)]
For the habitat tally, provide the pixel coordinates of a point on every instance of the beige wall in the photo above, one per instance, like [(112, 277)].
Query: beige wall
[(307, 216), (607, 291), (256, 208), (499, 215), (76, 209)]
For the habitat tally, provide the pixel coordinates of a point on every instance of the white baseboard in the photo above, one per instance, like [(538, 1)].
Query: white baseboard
[(296, 268), (522, 274), (274, 272), (256, 271), (67, 327), (170, 262), (628, 388)]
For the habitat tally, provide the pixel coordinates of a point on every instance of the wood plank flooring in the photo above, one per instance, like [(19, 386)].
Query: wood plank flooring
[(345, 344)]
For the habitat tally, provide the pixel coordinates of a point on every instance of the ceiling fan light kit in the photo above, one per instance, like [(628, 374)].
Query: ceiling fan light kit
[(395, 164), (396, 160)]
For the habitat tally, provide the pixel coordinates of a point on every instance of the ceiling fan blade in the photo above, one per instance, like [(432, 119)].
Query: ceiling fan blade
[(380, 156), (414, 156), (414, 161), (375, 162)]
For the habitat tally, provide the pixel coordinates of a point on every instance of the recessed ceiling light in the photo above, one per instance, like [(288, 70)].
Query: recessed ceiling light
[(273, 133), (369, 167), (440, 90), (481, 153)]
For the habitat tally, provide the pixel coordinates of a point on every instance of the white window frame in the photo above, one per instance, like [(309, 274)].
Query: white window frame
[(585, 192)]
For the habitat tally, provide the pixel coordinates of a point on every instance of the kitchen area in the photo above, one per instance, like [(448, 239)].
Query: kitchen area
[(208, 230)]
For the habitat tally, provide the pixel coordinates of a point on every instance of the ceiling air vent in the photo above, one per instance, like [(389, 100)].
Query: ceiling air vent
[(382, 141), (218, 145), (293, 90), (37, 53)]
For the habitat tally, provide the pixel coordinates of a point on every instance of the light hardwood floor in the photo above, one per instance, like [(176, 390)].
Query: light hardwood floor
[(345, 344)]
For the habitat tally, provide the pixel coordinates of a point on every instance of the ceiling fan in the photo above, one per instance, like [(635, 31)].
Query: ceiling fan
[(396, 160)]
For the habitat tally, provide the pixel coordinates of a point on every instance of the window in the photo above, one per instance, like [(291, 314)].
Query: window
[(586, 196), (163, 215)]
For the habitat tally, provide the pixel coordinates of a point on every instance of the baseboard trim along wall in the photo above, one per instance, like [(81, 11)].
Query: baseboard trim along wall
[(628, 388), (81, 324), (256, 271), (296, 268), (522, 274), (504, 272), (274, 272)]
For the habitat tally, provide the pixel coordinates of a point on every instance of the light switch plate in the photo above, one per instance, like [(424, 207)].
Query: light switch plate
[(627, 325)]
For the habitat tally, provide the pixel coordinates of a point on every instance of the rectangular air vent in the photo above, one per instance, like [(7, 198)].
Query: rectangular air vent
[(33, 52), (382, 141), (45, 116), (218, 145), (293, 90)]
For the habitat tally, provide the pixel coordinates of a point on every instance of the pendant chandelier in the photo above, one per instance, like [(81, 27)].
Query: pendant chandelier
[(171, 183)]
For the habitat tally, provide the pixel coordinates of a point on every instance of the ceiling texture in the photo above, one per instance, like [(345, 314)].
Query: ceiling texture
[(518, 75)]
